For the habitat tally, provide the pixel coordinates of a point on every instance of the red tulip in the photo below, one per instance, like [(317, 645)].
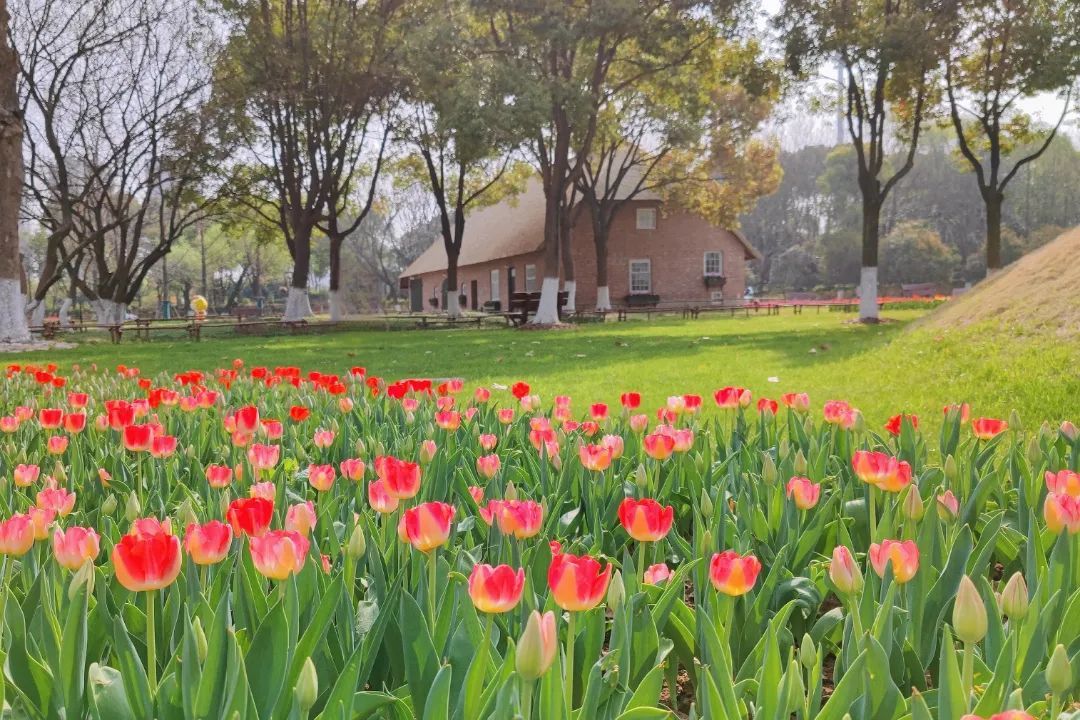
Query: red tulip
[(401, 478), (74, 546), (427, 526), (963, 409), (379, 499), (576, 583), (896, 423), (208, 544), (496, 589), (799, 402), (646, 520), (279, 553), (1062, 512), (767, 405), (449, 420), (730, 398), (299, 413), (75, 423), (986, 428), (219, 476), (250, 516), (352, 468), (598, 411), (733, 574), (247, 419), (321, 477), (481, 395), (595, 457), (520, 390), (147, 558), (904, 557), (263, 457), (50, 418), (163, 446), (658, 445), (138, 438), (519, 518), (630, 400)]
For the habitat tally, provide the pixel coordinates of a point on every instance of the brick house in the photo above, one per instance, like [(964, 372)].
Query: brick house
[(673, 255)]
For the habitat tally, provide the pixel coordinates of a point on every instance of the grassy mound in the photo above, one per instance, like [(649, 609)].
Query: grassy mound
[(1039, 294)]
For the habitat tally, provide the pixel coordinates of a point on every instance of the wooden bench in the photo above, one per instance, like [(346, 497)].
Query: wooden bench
[(247, 312), (926, 290), (523, 305)]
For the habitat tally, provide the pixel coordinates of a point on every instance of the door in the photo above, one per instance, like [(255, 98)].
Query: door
[(416, 295), (474, 293), (511, 280)]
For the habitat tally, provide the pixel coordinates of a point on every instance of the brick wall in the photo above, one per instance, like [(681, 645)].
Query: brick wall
[(481, 273)]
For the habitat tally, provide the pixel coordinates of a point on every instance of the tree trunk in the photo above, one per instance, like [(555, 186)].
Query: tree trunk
[(868, 278), (453, 307), (298, 305), (600, 238), (565, 238), (13, 326), (548, 311), (994, 200), (336, 309)]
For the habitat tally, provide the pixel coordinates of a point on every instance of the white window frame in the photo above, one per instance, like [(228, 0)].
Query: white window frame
[(705, 263), (645, 212), (716, 297), (648, 263), (495, 282), (530, 278)]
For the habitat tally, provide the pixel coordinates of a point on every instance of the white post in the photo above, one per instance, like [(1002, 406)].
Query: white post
[(603, 299), (12, 312), (868, 294), (570, 286)]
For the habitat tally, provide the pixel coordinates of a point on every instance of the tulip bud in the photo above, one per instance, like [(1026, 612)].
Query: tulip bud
[(190, 452), (969, 613), (83, 576), (706, 504), (132, 509), (860, 422), (808, 652), (616, 591), (223, 504), (360, 447), (60, 473), (537, 647), (706, 543), (186, 515), (109, 506), (201, 646), (913, 504), (783, 449), (1069, 431), (1059, 672), (951, 469), (1014, 421), (1034, 453), (800, 463), (844, 571), (357, 543), (511, 492), (1014, 598), (307, 687), (768, 470), (641, 477)]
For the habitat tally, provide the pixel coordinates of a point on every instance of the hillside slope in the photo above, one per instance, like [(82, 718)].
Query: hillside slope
[(1040, 293)]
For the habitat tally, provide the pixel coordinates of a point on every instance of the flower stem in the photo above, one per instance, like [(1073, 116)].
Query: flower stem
[(151, 642), (432, 566), (8, 562), (569, 682), (873, 513), (969, 674), (526, 699)]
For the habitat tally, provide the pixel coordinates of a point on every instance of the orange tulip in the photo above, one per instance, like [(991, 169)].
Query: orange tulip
[(26, 475), (595, 457), (353, 469), (1062, 512), (301, 518), (321, 477), (657, 574), (804, 492), (488, 465), (986, 428), (658, 445), (265, 490), (218, 476), (58, 500), (449, 420), (904, 557), (41, 518), (323, 438), (838, 412), (1063, 482), (799, 402), (520, 518), (645, 520), (57, 444), (16, 535), (75, 423), (74, 546), (576, 583), (279, 553), (733, 574), (147, 558), (263, 457), (208, 544), (496, 589), (881, 470), (427, 526)]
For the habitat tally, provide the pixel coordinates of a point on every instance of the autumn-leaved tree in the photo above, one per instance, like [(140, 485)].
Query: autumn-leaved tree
[(889, 51), (1003, 52)]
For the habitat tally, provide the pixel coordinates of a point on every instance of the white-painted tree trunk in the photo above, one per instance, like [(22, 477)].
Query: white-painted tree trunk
[(37, 312), (13, 327), (868, 294), (65, 313), (453, 307), (570, 286), (298, 305), (548, 311), (603, 298), (337, 306), (110, 313)]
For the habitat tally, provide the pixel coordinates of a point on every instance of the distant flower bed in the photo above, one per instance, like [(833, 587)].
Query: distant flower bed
[(274, 544)]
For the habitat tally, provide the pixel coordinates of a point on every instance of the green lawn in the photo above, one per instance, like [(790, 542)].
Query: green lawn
[(880, 369)]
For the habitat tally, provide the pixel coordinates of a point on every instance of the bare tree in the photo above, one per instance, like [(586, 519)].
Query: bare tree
[(12, 320), (115, 93)]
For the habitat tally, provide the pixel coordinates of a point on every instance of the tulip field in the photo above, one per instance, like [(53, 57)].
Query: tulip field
[(276, 543)]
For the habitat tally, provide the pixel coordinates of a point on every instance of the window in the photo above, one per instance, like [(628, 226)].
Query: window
[(640, 277), (714, 264), (646, 218), (495, 285), (530, 278), (716, 297)]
